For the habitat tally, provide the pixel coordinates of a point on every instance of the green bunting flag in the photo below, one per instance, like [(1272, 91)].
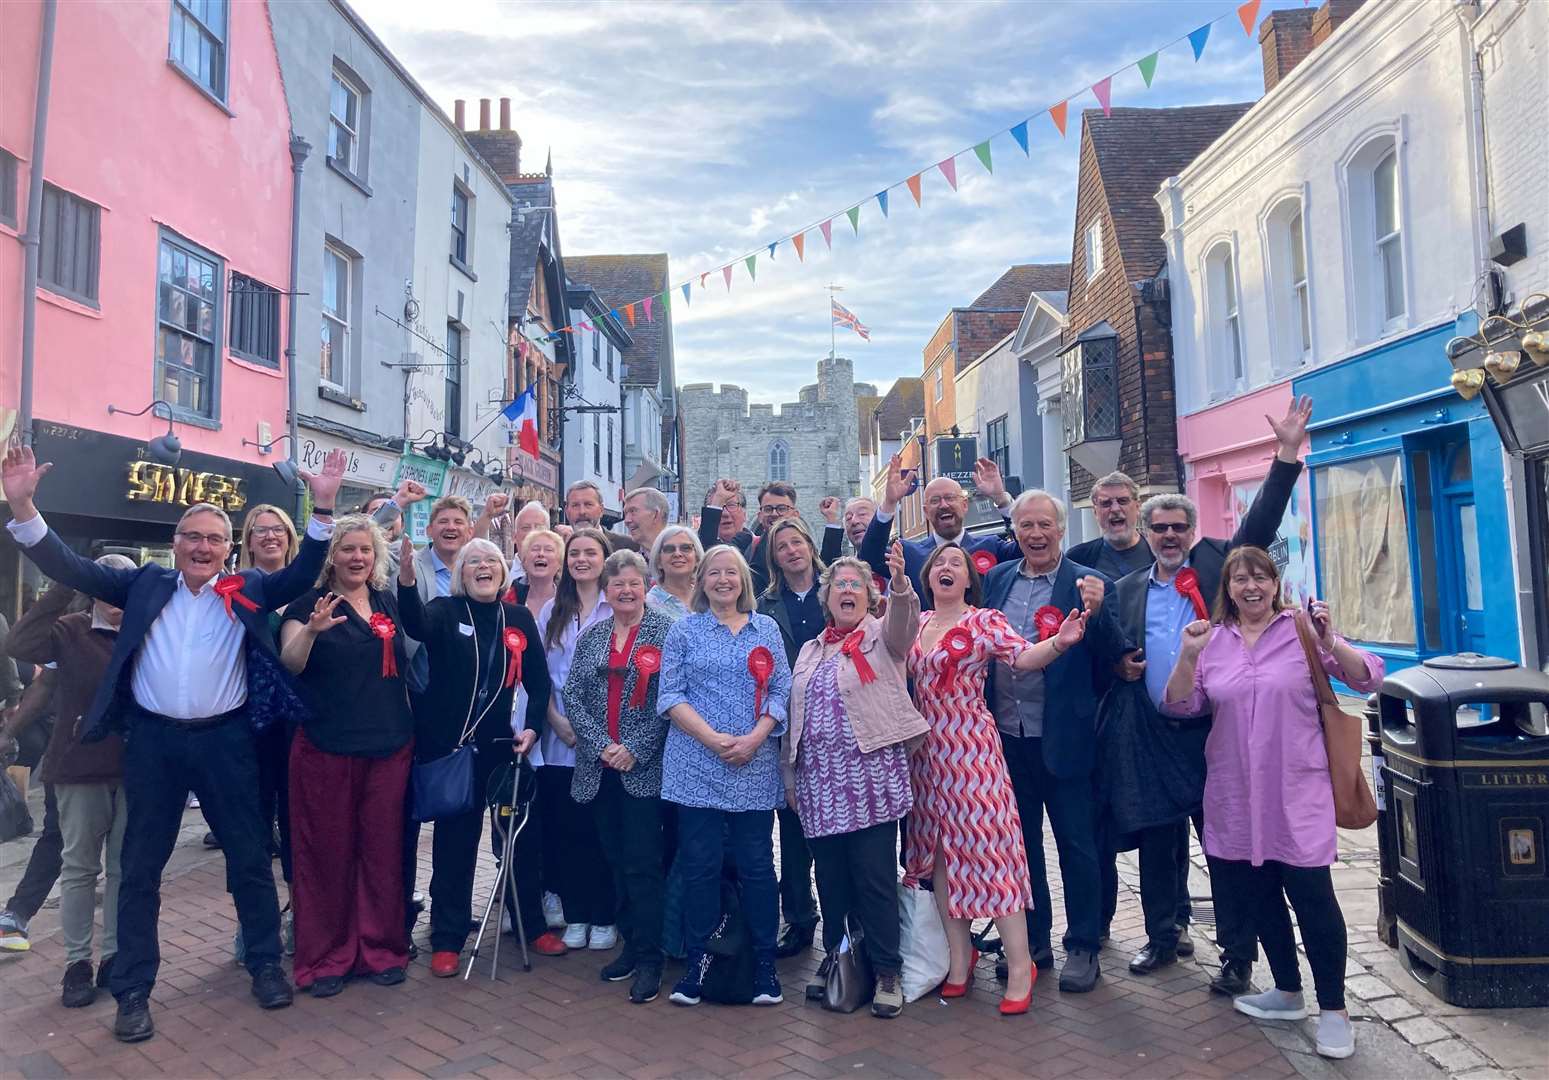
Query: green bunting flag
[(1147, 66), (983, 150), (751, 262), (854, 214)]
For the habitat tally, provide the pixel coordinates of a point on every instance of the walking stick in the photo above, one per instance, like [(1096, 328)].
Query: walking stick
[(507, 877)]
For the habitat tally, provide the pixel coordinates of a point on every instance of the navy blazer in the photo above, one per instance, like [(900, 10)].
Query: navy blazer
[(143, 591), (874, 545), (1072, 682)]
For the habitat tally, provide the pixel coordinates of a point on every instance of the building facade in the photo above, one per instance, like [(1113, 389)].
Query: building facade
[(594, 442), (1037, 345), (897, 428)]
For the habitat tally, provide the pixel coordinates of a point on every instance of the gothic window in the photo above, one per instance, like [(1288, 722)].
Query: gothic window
[(779, 460)]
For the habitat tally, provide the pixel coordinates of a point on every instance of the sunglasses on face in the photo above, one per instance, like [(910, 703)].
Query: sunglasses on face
[(1162, 528), (677, 549)]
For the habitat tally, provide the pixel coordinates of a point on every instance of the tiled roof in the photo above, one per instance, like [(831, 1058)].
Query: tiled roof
[(1011, 291), (527, 237), (623, 279), (902, 403), (1136, 150)]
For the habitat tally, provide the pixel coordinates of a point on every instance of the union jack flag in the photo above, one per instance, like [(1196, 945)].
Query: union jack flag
[(843, 316)]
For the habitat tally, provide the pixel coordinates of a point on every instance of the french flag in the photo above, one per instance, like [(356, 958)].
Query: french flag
[(521, 417)]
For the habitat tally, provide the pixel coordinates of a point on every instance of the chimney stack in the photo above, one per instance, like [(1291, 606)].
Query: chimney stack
[(1285, 38), (460, 114), (505, 114), (502, 146), (484, 114), (1329, 17)]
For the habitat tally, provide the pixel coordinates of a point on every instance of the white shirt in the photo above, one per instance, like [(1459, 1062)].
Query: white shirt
[(937, 539), (191, 665), (551, 749)]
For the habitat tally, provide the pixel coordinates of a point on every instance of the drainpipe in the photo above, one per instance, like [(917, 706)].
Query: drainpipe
[(34, 222), (1476, 144), (299, 149)]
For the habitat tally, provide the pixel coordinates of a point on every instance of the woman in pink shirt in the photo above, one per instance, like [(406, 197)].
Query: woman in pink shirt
[(1269, 804)]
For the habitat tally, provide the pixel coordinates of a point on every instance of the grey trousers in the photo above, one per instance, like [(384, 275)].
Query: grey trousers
[(91, 820)]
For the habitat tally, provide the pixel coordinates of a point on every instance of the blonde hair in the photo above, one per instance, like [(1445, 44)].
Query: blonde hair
[(354, 523), (547, 534), (292, 543), (775, 572), (452, 502), (849, 562), (746, 601)]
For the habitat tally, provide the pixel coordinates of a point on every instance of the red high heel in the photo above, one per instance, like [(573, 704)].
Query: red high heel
[(1018, 1006), (957, 990)]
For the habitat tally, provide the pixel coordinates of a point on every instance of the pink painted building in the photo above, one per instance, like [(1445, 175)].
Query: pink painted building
[(165, 254)]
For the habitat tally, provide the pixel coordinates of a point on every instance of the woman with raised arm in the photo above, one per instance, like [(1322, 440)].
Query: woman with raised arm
[(674, 562)]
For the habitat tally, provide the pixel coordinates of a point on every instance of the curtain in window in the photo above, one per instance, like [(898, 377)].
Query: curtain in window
[(1363, 541)]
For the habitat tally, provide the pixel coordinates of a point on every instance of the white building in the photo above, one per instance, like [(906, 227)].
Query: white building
[(594, 440), (1036, 346)]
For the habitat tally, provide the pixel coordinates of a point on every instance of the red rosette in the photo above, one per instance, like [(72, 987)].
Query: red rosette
[(516, 643), (760, 666), (1047, 620), (852, 649), (880, 582), (1187, 583), (958, 643), (648, 661), (983, 562), (383, 628), (229, 588)]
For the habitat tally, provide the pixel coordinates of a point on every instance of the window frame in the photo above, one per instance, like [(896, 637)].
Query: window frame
[(169, 238), (236, 309), (597, 348), (10, 175), (464, 234), (610, 351), (610, 449), (1301, 285), (64, 200), (999, 452), (596, 445), (779, 451), (1092, 247), (941, 381), (357, 133), (452, 379), (1366, 315), (1227, 370), (223, 41), (1389, 245), (344, 367)]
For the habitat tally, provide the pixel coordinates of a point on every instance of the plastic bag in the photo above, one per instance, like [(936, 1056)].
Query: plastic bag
[(922, 942), (15, 820)]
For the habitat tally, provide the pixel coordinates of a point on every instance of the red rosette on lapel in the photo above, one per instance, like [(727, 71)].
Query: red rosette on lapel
[(1047, 620), (1187, 583), (648, 661), (880, 582), (958, 643), (852, 649), (516, 643), (384, 629), (983, 562), (229, 588), (761, 667)]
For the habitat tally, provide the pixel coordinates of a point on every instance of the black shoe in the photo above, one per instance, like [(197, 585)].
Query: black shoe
[(271, 988), (327, 986), (1235, 978), (133, 1023), (105, 971), (79, 990), (620, 968), (391, 977), (414, 951), (819, 984), (210, 841), (1185, 943), (1079, 975), (1152, 957), (794, 941), (647, 984), (1043, 960)]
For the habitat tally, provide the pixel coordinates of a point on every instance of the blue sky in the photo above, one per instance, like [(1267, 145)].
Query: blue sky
[(710, 130)]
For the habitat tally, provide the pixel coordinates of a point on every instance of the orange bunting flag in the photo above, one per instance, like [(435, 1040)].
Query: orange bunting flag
[(1057, 114), (1249, 14), (914, 187), (948, 169), (629, 313), (799, 242)]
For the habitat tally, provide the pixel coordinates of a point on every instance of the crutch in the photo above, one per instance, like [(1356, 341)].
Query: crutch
[(515, 810)]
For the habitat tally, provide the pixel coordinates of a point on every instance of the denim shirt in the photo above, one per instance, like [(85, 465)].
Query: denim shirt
[(1168, 611)]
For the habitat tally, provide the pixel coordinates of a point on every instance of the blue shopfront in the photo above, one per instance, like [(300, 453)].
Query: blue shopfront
[(1410, 520)]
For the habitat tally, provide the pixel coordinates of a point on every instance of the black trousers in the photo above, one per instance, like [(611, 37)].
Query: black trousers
[(1072, 815), (630, 829), (273, 748), (1161, 898), (856, 881), (43, 864), (797, 905), (163, 761), (1310, 889), (574, 866)]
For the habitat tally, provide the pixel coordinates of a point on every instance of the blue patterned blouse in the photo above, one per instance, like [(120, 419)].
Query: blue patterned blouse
[(703, 665)]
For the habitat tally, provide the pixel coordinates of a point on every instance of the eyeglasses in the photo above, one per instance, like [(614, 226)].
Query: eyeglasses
[(1162, 528), (941, 500), (267, 530), (776, 510), (194, 539), (1119, 501), (677, 549), (848, 585)]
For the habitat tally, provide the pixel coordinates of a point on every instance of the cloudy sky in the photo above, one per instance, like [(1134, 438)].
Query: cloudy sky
[(710, 130)]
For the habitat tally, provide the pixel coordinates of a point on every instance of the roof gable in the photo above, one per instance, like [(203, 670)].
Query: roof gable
[(625, 279), (902, 403)]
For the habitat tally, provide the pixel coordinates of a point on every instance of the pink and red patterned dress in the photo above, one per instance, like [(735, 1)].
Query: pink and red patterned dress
[(964, 805)]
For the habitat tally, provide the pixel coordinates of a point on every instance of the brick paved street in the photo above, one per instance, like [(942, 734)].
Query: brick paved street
[(561, 1021)]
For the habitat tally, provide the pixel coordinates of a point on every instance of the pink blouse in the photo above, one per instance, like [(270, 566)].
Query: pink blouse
[(1267, 789)]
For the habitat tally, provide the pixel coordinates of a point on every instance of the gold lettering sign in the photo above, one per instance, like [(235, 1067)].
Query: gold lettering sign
[(150, 482), (1514, 779)]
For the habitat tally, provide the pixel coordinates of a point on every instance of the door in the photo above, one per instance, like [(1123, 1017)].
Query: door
[(1463, 578)]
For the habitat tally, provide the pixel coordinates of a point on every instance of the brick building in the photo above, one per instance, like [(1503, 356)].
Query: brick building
[(1117, 377)]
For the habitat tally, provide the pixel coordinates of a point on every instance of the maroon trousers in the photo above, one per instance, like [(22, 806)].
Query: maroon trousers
[(347, 838)]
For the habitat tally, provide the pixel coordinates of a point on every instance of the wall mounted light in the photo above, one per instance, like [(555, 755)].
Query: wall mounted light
[(163, 449)]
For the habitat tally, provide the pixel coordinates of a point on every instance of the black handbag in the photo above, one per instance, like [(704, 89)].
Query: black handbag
[(851, 982), (443, 788)]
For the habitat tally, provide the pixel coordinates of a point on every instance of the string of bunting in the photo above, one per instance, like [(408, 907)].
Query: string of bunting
[(1246, 13)]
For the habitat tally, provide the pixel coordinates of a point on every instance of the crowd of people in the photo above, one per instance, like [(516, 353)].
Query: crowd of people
[(679, 691)]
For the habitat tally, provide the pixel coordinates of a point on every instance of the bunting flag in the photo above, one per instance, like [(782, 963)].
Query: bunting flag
[(882, 201), (646, 303), (828, 233), (726, 272), (983, 151), (686, 297), (751, 262), (772, 247), (667, 303), (629, 313), (854, 214), (1147, 66), (702, 278), (948, 169), (1197, 39), (799, 241), (1019, 133), (914, 187), (1101, 90), (1248, 14), (1057, 114)]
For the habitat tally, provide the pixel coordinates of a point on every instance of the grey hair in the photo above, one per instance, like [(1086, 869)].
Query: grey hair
[(654, 500), (860, 498), (579, 485), (746, 600), (1038, 493), (620, 561), (849, 562), (354, 523), (208, 508), (1170, 501), (666, 534), (535, 506), (113, 560), (1117, 479), (480, 545)]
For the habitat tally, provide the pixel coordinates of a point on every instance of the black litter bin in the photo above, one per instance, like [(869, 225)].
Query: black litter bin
[(1466, 773)]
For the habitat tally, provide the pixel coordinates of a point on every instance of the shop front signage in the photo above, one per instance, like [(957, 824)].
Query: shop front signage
[(955, 458), (363, 467), (431, 475), (525, 468), (151, 482)]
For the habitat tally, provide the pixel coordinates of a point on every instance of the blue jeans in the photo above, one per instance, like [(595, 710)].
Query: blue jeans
[(705, 838)]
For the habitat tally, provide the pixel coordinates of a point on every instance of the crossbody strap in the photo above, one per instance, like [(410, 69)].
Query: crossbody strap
[(471, 723), (1320, 681)]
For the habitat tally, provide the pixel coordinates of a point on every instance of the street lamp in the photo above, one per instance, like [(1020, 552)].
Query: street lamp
[(164, 449), (285, 467)]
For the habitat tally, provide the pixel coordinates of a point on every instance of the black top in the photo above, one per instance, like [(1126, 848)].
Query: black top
[(1115, 563), (462, 675), (351, 708), (806, 616)]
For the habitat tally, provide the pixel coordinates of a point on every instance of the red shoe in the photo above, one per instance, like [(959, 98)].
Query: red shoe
[(549, 944), (1018, 1006), (957, 990), (444, 965)]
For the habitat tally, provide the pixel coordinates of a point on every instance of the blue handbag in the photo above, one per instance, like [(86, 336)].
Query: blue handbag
[(443, 788)]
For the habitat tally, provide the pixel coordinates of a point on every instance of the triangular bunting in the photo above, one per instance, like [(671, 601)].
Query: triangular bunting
[(629, 313), (1147, 66), (1249, 14), (726, 273), (882, 202), (686, 292), (1019, 133), (948, 169), (854, 214), (983, 150), (1102, 90), (751, 262), (667, 302), (772, 247), (828, 233), (646, 303), (1057, 114), (799, 242), (914, 187), (702, 278), (1198, 39), (614, 314)]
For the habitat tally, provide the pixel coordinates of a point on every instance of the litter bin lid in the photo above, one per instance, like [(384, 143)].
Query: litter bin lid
[(1469, 662)]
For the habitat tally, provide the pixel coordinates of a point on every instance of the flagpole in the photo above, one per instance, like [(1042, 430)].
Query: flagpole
[(833, 347)]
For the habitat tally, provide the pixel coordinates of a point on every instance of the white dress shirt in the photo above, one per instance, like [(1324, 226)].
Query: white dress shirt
[(936, 538)]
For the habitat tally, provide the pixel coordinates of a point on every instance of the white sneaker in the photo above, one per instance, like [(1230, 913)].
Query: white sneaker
[(1336, 1035), (1272, 1005), (553, 911), (576, 934), (603, 937), (13, 933)]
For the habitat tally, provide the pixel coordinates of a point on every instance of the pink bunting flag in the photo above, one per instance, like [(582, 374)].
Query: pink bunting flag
[(726, 272), (948, 169), (828, 233), (702, 278), (646, 303), (1102, 90)]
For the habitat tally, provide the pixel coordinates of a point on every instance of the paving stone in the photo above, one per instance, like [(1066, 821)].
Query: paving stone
[(1421, 1030), (1369, 988), (1485, 1074), (1454, 1055), (1394, 1008)]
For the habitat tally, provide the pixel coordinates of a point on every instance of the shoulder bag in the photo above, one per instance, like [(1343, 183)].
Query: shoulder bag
[(444, 787), (1354, 807), (850, 983)]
